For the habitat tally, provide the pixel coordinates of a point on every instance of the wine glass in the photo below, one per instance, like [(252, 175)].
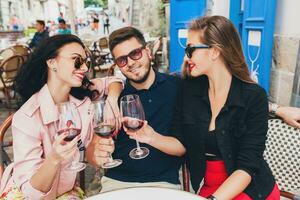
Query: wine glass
[(105, 126), (133, 119), (69, 122)]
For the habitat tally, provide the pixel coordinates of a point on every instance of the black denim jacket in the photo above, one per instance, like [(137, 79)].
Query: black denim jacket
[(241, 127)]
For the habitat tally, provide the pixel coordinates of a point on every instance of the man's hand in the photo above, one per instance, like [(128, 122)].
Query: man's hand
[(103, 148), (145, 134), (290, 115)]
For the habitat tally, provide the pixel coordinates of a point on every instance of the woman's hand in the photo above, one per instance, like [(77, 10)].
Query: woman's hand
[(97, 83), (185, 65), (145, 134), (63, 150)]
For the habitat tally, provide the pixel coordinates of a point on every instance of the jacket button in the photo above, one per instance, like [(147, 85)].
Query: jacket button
[(229, 156), (223, 132), (259, 196)]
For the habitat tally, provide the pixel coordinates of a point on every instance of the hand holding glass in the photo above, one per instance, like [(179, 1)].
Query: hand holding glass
[(133, 119), (69, 122)]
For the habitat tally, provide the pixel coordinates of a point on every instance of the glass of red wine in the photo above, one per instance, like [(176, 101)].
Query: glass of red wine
[(105, 126), (133, 119), (69, 121)]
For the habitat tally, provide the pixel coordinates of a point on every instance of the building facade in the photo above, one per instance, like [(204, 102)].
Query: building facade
[(27, 11)]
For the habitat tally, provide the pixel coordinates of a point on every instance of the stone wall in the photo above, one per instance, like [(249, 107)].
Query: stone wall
[(285, 51)]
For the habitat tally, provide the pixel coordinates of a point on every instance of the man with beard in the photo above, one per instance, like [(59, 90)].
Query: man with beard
[(157, 92)]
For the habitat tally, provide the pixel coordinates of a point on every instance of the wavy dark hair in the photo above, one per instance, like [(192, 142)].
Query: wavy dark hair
[(33, 75)]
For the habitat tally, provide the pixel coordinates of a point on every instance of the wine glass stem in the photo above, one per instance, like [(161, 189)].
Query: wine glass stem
[(138, 146), (81, 158), (110, 158)]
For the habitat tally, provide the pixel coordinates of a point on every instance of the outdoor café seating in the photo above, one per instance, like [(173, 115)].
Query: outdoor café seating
[(22, 50), (101, 56), (5, 160), (6, 53), (283, 156), (8, 71)]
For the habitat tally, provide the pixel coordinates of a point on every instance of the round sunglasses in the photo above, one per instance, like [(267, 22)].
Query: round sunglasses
[(135, 54), (189, 50), (79, 61)]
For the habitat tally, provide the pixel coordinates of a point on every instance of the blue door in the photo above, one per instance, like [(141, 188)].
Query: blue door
[(181, 12), (257, 28), (237, 14)]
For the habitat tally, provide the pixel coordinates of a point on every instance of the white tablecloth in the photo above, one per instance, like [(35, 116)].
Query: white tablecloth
[(146, 193)]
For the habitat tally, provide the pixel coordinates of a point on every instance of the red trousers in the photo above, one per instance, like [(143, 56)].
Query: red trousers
[(216, 174)]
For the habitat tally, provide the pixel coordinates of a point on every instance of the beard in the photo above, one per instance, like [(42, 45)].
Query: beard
[(143, 78)]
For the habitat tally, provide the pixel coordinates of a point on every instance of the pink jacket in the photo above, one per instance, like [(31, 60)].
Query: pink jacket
[(33, 135)]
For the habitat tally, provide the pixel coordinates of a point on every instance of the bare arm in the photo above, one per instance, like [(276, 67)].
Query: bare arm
[(238, 180), (290, 115)]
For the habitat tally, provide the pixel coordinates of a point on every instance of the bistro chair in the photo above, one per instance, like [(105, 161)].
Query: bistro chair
[(4, 158), (282, 153), (104, 51), (8, 71), (22, 50), (283, 156), (101, 60), (6, 53)]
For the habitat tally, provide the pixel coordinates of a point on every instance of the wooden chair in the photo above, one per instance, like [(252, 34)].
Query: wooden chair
[(185, 178), (22, 50), (282, 153), (8, 71), (4, 158), (103, 44), (104, 51), (6, 53)]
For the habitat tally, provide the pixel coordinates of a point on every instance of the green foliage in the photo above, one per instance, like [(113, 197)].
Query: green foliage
[(161, 29), (102, 3)]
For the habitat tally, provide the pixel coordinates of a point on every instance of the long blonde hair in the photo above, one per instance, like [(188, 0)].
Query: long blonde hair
[(219, 32)]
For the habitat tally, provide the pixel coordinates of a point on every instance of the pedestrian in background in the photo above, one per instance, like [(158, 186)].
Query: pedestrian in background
[(40, 34)]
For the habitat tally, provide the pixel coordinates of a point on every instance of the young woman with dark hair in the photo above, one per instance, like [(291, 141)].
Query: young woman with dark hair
[(54, 73)]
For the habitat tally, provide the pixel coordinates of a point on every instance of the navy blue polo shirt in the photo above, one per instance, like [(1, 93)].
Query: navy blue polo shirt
[(158, 102)]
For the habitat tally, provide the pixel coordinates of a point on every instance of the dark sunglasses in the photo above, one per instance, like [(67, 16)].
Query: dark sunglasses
[(135, 54), (79, 61), (189, 50)]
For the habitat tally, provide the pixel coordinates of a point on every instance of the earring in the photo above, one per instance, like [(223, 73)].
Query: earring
[(54, 69)]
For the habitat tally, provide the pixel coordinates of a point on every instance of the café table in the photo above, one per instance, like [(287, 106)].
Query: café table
[(146, 193)]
